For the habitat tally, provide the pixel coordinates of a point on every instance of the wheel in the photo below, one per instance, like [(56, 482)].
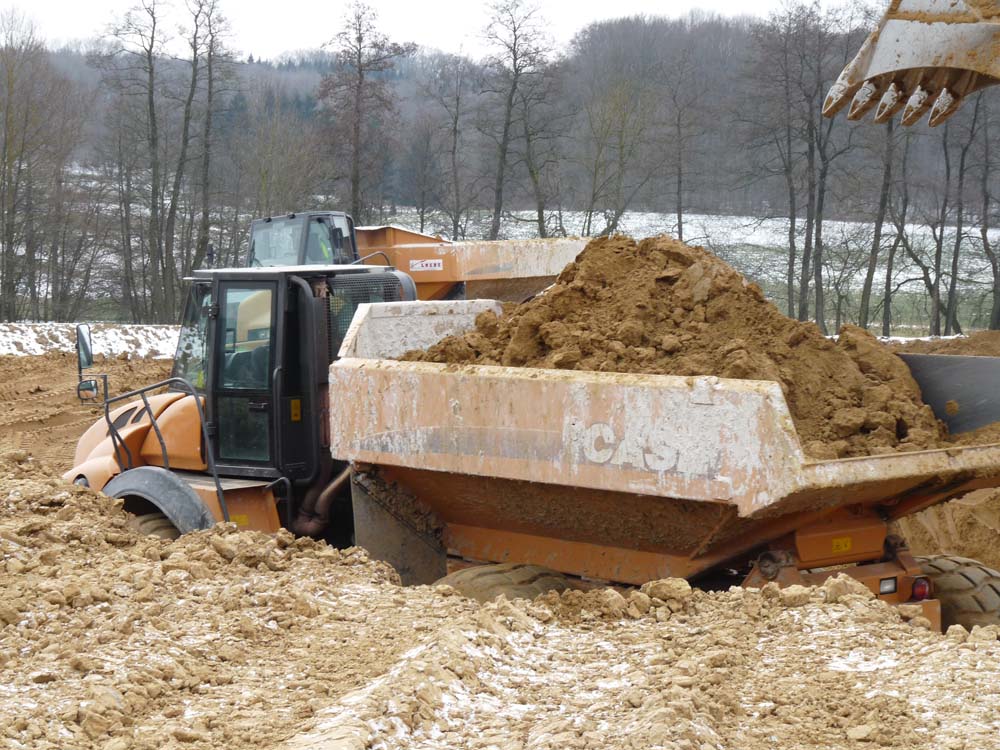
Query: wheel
[(81, 482), (154, 524), (514, 580), (969, 591)]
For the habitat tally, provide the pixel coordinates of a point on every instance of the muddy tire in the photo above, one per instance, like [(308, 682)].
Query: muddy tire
[(969, 591), (514, 580), (153, 524)]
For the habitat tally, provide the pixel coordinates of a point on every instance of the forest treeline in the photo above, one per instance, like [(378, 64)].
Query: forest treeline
[(125, 161)]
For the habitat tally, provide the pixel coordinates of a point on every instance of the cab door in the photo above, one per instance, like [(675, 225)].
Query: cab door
[(243, 408)]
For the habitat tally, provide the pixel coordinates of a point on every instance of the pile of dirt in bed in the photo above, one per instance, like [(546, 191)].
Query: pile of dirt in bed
[(659, 306)]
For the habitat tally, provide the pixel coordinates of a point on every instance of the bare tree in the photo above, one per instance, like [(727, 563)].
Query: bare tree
[(358, 87), (683, 100), (880, 216), (517, 41), (450, 89)]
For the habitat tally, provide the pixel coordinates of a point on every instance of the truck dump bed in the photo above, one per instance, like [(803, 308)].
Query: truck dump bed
[(614, 476), (499, 269)]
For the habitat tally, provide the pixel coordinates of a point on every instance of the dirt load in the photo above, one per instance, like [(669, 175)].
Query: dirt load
[(39, 410), (659, 306), (228, 639)]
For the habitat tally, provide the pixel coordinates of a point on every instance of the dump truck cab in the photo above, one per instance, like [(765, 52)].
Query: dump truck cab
[(240, 430), (304, 238)]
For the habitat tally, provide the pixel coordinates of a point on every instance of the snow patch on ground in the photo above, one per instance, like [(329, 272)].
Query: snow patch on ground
[(109, 339)]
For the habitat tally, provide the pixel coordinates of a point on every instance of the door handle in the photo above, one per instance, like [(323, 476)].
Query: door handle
[(257, 405)]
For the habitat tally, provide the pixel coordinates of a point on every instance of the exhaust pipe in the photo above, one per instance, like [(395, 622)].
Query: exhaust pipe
[(313, 517)]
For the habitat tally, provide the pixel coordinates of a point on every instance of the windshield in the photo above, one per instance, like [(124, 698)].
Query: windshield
[(191, 359), (276, 242)]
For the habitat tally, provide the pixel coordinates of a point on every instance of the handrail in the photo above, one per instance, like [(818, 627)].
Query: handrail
[(388, 261), (184, 386)]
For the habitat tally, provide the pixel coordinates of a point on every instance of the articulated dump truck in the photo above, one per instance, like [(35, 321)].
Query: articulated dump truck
[(623, 478), (510, 270)]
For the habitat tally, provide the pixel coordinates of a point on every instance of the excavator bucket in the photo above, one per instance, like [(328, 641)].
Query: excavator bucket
[(925, 55)]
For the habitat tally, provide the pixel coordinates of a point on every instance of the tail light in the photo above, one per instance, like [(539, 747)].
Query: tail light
[(921, 589)]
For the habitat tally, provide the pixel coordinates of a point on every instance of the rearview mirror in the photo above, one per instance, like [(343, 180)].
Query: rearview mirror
[(87, 390), (84, 348)]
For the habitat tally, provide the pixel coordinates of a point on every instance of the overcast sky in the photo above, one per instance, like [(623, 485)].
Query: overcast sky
[(266, 29)]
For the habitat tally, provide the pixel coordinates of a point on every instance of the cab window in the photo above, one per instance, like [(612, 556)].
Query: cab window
[(319, 245), (191, 359), (276, 242), (246, 320)]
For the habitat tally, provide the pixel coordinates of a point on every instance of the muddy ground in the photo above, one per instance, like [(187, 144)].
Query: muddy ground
[(228, 639), (39, 410)]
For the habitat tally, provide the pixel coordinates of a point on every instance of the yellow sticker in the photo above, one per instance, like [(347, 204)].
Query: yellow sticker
[(842, 544), (296, 409), (239, 519)]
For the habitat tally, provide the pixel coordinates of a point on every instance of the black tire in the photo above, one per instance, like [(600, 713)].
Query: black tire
[(154, 524), (969, 591), (514, 580)]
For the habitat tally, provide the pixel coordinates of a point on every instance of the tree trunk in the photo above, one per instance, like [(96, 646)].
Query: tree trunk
[(792, 241), (876, 248), (534, 172), (502, 149), (201, 250), (169, 264), (818, 249), (155, 238), (887, 288), (679, 182), (951, 314), (807, 250)]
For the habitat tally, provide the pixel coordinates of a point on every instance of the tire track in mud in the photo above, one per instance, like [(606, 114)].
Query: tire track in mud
[(39, 410)]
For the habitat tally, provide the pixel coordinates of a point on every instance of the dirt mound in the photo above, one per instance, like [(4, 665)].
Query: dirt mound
[(221, 639), (659, 306), (39, 410), (226, 639), (748, 669), (979, 344), (966, 527)]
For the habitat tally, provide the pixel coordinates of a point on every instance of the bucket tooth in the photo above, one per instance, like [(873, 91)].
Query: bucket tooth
[(863, 101), (918, 103), (838, 96), (891, 103), (944, 107)]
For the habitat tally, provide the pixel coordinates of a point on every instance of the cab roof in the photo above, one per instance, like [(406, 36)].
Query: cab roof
[(310, 271)]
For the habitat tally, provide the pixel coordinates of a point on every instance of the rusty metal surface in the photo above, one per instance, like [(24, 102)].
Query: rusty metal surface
[(610, 459)]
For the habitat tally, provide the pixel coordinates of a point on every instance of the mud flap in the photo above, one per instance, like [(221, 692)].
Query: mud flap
[(166, 491), (382, 527)]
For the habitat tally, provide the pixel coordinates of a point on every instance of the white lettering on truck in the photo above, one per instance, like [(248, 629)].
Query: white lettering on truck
[(645, 452)]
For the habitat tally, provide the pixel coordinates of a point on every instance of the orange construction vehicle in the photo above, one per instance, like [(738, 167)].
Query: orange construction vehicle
[(288, 408), (506, 270)]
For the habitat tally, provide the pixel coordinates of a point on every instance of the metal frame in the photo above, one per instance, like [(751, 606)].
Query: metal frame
[(186, 387)]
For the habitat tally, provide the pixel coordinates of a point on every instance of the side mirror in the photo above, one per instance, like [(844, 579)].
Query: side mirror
[(87, 390), (338, 238), (84, 348)]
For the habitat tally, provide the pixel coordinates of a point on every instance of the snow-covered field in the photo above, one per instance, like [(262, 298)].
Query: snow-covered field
[(109, 339)]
